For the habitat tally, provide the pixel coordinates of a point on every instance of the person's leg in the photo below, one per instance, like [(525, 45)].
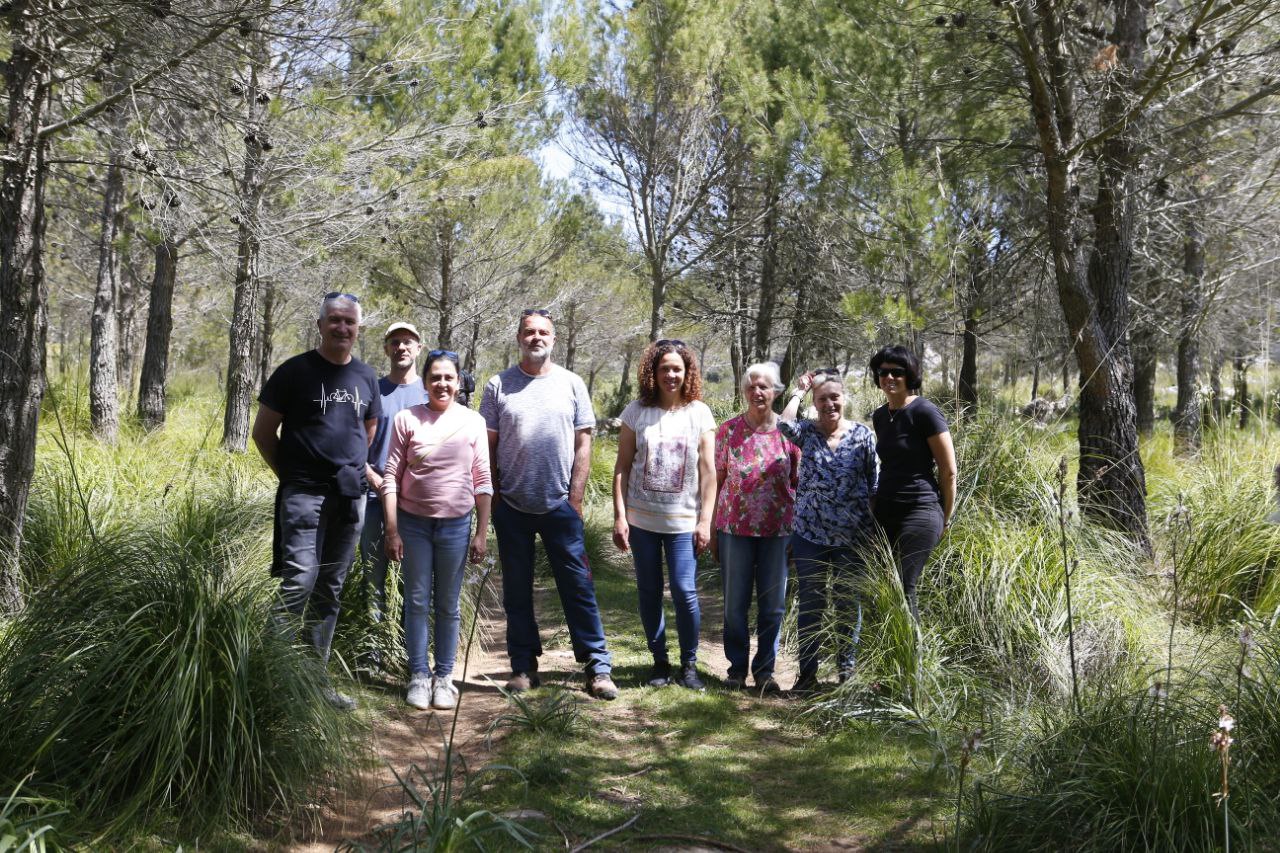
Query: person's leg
[(771, 603), (515, 533), (846, 572), (562, 535), (919, 532), (299, 522), (417, 569), (452, 538), (737, 567), (646, 555), (811, 600), (682, 569), (336, 539), (373, 559)]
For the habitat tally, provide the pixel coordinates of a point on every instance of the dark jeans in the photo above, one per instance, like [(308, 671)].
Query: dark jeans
[(815, 566), (756, 563), (913, 530), (561, 532), (373, 557), (647, 549), (318, 533)]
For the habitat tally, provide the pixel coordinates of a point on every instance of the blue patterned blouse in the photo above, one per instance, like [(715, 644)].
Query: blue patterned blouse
[(833, 500)]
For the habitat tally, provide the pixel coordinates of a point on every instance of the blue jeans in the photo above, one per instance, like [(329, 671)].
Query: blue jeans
[(815, 565), (748, 562), (561, 532), (646, 549), (435, 553), (318, 533), (373, 557)]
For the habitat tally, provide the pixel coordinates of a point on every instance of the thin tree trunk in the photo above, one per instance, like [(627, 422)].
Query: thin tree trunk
[(242, 368), (768, 279), (104, 344), (23, 293), (1240, 367), (152, 384), (266, 357), (1187, 416), (967, 386), (127, 314), (571, 336), (444, 238), (1144, 382)]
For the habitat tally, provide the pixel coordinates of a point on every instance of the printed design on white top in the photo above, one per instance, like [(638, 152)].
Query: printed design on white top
[(339, 395), (665, 462)]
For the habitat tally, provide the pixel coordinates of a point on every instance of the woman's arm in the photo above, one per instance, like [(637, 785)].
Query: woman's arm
[(480, 541), (707, 484), (792, 410), (398, 449), (944, 454), (621, 476)]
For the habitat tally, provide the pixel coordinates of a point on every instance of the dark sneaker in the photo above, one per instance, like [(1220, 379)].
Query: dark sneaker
[(735, 682), (805, 684), (846, 673), (522, 681), (601, 686), (341, 701), (660, 675), (768, 686), (689, 678)]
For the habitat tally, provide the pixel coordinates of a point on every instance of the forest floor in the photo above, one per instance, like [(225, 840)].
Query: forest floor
[(717, 770)]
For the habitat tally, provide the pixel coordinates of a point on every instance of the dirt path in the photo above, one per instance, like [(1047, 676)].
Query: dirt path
[(403, 736)]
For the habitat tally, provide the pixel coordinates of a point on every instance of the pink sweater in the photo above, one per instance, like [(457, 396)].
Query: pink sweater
[(438, 461)]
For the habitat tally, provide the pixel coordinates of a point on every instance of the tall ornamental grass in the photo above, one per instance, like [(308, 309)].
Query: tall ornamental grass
[(145, 682)]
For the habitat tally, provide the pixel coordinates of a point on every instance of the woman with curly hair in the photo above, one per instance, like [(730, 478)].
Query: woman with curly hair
[(664, 493)]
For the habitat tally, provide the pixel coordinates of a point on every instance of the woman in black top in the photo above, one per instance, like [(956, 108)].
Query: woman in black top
[(912, 505)]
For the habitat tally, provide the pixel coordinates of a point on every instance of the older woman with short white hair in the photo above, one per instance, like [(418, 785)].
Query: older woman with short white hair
[(756, 472)]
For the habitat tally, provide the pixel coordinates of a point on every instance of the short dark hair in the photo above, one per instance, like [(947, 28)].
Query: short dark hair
[(898, 354)]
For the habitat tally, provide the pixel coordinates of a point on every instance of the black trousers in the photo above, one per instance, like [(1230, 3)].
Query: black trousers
[(913, 529)]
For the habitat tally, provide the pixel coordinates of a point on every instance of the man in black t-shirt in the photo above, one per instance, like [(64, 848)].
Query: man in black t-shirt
[(316, 417)]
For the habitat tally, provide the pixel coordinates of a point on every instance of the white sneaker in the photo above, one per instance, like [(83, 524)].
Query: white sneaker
[(444, 696), (420, 691)]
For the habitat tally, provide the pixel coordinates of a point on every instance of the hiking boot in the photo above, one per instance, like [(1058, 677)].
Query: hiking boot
[(444, 695), (689, 677), (660, 675), (805, 684), (522, 681), (601, 686), (341, 701), (768, 686), (419, 695), (735, 682)]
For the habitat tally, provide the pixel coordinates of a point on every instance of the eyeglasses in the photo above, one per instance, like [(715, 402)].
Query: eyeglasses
[(894, 372), (829, 371), (441, 353), (541, 312), (337, 294), (670, 342)]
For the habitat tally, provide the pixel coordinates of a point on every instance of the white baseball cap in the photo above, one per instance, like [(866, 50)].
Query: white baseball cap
[(406, 327)]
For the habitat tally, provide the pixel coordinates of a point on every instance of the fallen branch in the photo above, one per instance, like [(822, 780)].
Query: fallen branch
[(602, 836), (642, 770)]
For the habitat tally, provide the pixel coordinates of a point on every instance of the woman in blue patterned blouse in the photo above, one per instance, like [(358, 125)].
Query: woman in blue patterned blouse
[(833, 519)]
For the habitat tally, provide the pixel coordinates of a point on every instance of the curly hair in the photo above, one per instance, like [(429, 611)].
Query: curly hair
[(647, 373)]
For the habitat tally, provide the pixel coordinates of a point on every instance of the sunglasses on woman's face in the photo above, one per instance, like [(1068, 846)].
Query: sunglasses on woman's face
[(894, 372)]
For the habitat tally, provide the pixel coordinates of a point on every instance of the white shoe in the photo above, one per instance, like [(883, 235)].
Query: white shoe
[(419, 695), (444, 696)]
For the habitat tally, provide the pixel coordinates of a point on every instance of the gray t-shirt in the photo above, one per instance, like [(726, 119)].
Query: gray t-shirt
[(535, 418)]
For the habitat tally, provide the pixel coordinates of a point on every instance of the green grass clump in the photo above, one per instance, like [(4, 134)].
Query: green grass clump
[(145, 683)]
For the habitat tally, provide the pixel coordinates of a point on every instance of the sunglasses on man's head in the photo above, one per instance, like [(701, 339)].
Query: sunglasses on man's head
[(337, 294), (441, 353), (894, 372), (541, 312)]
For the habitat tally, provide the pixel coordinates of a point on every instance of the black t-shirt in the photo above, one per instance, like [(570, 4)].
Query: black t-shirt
[(902, 443), (325, 406)]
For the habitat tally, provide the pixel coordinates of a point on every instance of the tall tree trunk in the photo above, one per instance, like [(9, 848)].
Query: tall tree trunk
[(1240, 369), (266, 356), (473, 346), (23, 291), (657, 298), (152, 384), (768, 277), (127, 314), (104, 345), (444, 240), (1144, 381), (571, 336), (242, 343), (1187, 415), (967, 386)]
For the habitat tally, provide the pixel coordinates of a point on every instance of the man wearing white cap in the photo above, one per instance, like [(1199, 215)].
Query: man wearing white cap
[(400, 389)]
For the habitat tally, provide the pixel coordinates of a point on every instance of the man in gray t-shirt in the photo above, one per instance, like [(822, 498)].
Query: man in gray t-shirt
[(539, 419)]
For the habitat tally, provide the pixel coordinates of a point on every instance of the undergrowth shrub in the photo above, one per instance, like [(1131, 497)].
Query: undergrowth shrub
[(145, 682)]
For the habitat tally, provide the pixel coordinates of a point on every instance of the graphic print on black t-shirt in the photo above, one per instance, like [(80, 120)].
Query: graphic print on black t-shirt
[(324, 407)]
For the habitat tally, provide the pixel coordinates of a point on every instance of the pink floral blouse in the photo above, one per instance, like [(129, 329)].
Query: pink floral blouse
[(760, 471)]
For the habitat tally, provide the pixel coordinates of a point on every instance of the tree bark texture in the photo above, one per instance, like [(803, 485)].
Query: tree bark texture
[(1187, 416), (152, 383), (1144, 382), (444, 239), (104, 341), (266, 347)]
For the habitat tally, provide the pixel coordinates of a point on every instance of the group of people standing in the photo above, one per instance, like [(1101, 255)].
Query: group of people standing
[(402, 465)]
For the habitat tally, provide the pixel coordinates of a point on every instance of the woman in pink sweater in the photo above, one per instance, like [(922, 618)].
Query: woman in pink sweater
[(437, 471)]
